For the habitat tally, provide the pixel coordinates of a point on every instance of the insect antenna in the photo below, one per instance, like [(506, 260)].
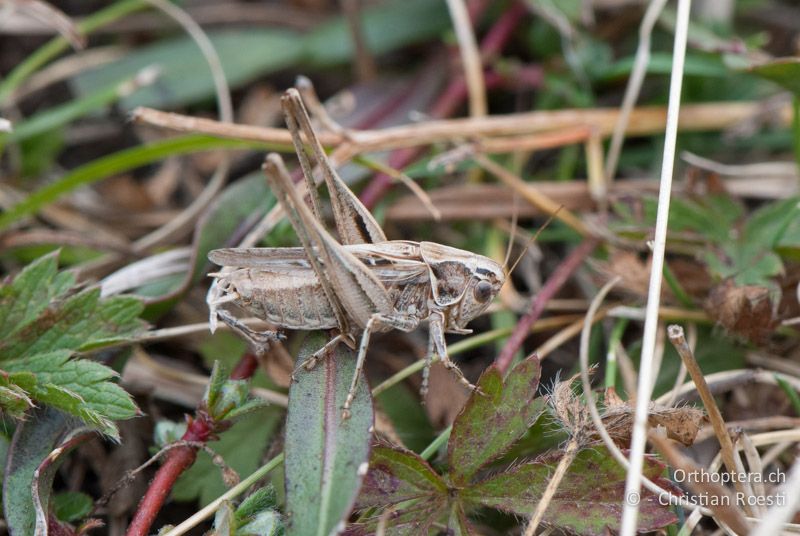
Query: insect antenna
[(531, 240), (514, 214)]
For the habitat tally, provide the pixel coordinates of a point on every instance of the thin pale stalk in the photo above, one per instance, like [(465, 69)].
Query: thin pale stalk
[(209, 510), (633, 481), (552, 486), (470, 58)]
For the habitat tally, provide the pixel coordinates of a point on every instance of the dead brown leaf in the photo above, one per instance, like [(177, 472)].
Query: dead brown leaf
[(746, 311)]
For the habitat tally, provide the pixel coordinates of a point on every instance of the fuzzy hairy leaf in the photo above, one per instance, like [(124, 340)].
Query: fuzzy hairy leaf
[(588, 500), (42, 324), (326, 456), (494, 419), (396, 475), (412, 520)]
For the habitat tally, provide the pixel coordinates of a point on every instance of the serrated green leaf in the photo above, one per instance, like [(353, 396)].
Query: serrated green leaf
[(588, 500), (77, 386), (43, 326), (30, 293), (397, 475), (768, 225), (491, 421), (241, 446), (326, 456), (72, 505), (81, 322)]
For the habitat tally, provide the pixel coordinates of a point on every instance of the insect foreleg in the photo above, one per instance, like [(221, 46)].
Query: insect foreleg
[(436, 323), (401, 322), (259, 340)]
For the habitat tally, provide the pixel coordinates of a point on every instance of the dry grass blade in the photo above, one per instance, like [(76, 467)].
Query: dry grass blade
[(645, 120), (50, 16), (470, 58)]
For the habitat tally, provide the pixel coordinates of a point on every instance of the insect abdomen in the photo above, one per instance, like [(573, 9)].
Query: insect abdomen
[(287, 300)]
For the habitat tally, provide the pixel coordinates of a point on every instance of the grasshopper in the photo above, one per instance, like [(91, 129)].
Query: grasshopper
[(359, 285)]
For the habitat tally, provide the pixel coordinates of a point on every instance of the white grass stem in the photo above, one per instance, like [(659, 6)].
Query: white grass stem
[(470, 57), (633, 482)]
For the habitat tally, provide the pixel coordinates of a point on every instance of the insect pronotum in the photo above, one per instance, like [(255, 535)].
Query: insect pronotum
[(358, 285)]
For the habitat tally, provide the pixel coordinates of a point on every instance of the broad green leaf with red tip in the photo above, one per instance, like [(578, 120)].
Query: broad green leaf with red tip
[(494, 418)]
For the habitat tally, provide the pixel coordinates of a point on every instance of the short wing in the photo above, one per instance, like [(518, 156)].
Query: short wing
[(389, 266)]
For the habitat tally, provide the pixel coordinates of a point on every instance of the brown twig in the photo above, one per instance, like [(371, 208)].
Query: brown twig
[(645, 120), (675, 334)]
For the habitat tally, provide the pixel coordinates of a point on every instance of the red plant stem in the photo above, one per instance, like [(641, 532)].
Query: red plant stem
[(181, 458), (177, 461), (245, 368), (498, 35), (450, 100), (549, 290)]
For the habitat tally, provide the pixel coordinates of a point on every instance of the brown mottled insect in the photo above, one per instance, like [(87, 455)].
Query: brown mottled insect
[(359, 285)]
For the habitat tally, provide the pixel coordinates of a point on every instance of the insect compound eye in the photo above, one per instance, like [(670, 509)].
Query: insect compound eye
[(483, 291)]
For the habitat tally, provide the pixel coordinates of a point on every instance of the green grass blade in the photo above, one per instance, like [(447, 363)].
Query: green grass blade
[(114, 163)]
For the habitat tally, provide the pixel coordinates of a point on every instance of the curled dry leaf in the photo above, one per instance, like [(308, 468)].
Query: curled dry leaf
[(746, 310), (681, 423), (634, 273)]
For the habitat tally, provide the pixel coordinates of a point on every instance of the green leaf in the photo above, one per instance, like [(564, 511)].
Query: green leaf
[(407, 415), (76, 386), (386, 27), (661, 63), (768, 225), (507, 408), (257, 515), (588, 500), (81, 322), (30, 294), (413, 520), (42, 325), (72, 505), (242, 447), (261, 499), (248, 54), (244, 202), (326, 456), (185, 76), (26, 499), (782, 71), (397, 475), (118, 162)]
